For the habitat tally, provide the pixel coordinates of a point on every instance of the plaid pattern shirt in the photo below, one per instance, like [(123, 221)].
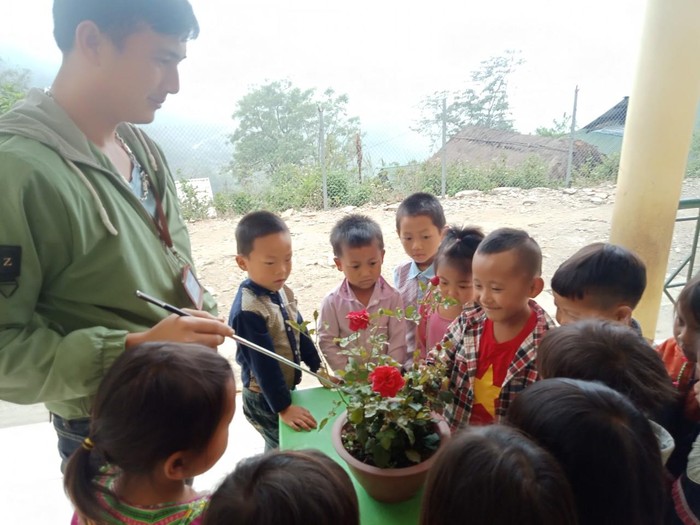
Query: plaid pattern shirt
[(460, 350)]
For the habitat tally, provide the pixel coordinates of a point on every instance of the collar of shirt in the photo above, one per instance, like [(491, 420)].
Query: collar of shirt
[(425, 275), (381, 291), (257, 289)]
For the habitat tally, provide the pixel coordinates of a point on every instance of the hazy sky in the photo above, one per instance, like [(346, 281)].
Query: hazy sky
[(386, 55)]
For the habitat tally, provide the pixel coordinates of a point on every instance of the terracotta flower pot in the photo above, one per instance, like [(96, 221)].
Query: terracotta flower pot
[(389, 485)]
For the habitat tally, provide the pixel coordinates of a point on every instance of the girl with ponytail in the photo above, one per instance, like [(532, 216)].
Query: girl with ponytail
[(160, 417)]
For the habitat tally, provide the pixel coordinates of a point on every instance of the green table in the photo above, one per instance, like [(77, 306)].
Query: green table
[(319, 401)]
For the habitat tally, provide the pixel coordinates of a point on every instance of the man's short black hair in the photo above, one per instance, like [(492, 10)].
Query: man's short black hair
[(607, 273), (254, 225), (528, 251), (121, 18), (355, 231), (421, 204)]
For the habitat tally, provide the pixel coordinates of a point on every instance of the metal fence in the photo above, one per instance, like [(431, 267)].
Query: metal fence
[(360, 171)]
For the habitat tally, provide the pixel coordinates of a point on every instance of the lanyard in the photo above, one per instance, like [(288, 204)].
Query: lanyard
[(160, 220)]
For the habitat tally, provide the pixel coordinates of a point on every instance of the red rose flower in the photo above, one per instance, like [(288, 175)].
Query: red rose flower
[(386, 380), (435, 281), (358, 320)]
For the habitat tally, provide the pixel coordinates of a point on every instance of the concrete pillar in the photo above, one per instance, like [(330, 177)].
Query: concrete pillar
[(658, 130)]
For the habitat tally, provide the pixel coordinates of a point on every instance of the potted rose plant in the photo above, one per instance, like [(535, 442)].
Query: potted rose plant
[(391, 425)]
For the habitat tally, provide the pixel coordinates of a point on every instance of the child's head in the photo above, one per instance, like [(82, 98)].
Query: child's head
[(419, 224), (285, 488), (600, 280), (453, 262), (606, 447), (686, 327), (611, 353), (358, 247), (506, 274), (491, 474), (162, 410), (264, 249)]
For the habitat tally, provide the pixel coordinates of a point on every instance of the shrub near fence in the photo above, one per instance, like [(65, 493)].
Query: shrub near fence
[(302, 187)]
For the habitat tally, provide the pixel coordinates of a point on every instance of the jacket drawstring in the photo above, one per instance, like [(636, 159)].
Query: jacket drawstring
[(100, 207)]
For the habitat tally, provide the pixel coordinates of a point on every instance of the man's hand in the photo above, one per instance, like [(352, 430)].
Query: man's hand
[(200, 327), (298, 418)]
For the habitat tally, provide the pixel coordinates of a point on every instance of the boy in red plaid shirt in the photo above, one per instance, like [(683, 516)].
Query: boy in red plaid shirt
[(491, 348)]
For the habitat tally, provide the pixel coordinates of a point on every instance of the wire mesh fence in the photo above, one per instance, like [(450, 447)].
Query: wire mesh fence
[(359, 172)]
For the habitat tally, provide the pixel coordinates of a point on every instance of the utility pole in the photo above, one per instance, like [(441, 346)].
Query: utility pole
[(444, 141), (322, 155), (570, 161)]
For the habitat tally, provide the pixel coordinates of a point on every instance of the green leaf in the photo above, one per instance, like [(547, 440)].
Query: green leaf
[(413, 456), (356, 416), (322, 423)]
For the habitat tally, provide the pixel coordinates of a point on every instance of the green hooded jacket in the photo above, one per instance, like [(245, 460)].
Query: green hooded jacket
[(75, 245)]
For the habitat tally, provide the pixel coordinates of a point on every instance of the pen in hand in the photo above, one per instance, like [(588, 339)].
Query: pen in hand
[(175, 310)]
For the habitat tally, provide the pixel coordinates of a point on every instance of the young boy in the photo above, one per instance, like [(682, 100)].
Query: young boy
[(358, 247), (260, 312), (420, 221), (491, 348), (602, 281)]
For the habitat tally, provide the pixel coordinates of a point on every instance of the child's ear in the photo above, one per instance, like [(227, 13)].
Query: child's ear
[(176, 466), (242, 263), (536, 287), (623, 314), (381, 261), (338, 263), (444, 231)]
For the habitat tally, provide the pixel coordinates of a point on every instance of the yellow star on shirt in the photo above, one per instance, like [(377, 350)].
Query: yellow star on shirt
[(486, 393)]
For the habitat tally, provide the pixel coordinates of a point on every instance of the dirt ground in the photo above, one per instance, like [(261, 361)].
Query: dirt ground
[(561, 220)]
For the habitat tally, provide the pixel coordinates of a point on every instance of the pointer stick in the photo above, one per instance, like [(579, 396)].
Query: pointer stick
[(175, 310)]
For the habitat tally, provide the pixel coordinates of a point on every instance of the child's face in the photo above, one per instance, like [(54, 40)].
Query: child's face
[(420, 239), (270, 262), (687, 333), (362, 266), (455, 283), (219, 441), (572, 310), (502, 288)]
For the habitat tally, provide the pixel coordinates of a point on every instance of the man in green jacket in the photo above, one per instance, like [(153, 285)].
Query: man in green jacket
[(89, 211)]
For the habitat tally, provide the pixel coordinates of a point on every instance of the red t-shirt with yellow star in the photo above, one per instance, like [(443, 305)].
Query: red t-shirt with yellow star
[(491, 369)]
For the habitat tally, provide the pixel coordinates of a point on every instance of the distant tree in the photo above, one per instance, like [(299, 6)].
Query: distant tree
[(558, 128), (278, 124), (483, 103), (13, 86)]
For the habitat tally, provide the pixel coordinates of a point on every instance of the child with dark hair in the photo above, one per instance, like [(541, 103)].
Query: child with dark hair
[(617, 356), (601, 280), (604, 444), (453, 273), (490, 350), (614, 354), (680, 352), (420, 221), (259, 313), (160, 416), (285, 488), (358, 249), (498, 476)]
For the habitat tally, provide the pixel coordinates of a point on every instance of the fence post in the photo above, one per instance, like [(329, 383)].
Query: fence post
[(570, 160), (444, 141), (322, 156)]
